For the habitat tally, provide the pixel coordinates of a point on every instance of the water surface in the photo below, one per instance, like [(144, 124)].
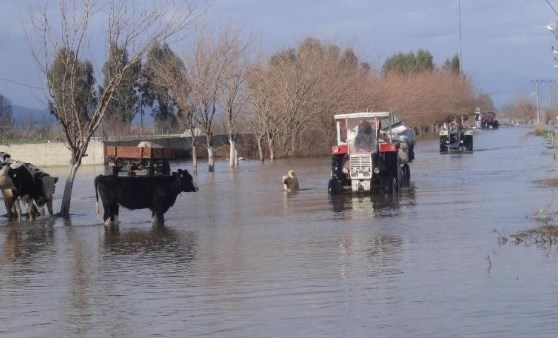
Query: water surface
[(240, 258)]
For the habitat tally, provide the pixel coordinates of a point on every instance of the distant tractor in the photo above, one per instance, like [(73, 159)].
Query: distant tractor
[(489, 121), (373, 150), (454, 137)]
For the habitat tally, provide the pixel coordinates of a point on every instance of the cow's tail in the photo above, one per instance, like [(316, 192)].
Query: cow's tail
[(97, 194)]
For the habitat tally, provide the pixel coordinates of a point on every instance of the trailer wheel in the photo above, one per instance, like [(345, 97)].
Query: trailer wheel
[(443, 147), (469, 143), (391, 185)]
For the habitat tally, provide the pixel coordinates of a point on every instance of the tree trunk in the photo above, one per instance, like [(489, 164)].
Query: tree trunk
[(210, 159), (194, 160), (232, 153), (271, 153), (194, 155), (260, 147), (271, 146), (67, 197)]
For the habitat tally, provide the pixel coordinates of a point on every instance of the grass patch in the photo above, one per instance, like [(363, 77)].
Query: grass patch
[(549, 182), (545, 235), (540, 130)]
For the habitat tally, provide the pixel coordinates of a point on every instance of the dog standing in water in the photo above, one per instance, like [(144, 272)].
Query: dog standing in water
[(290, 182)]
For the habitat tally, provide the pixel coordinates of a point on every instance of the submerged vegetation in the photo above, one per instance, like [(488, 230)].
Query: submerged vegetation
[(546, 235)]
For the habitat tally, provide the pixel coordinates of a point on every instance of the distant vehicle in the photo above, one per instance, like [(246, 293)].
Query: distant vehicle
[(489, 121), (454, 137), (373, 149)]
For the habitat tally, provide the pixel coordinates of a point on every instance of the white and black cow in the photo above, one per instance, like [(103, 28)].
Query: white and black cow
[(13, 207), (24, 181), (11, 200), (156, 193)]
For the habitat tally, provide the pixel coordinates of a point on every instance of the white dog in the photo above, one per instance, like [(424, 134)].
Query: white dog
[(290, 182)]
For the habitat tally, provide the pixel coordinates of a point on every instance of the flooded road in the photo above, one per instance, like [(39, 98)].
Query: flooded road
[(240, 258)]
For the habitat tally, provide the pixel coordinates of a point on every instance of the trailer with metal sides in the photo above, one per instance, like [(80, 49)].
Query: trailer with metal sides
[(146, 159)]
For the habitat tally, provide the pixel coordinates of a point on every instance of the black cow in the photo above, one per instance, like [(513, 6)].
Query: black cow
[(156, 193)]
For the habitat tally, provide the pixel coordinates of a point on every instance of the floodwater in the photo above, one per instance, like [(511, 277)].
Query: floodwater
[(240, 258)]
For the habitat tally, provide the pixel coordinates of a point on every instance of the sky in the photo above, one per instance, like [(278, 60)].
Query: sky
[(504, 44)]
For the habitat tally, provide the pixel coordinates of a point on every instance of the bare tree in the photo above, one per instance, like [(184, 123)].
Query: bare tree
[(260, 122), (424, 99), (215, 75), (134, 26), (233, 92), (297, 93), (171, 74), (5, 116), (206, 66), (522, 109)]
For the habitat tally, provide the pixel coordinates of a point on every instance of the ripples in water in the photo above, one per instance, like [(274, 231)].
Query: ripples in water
[(240, 258)]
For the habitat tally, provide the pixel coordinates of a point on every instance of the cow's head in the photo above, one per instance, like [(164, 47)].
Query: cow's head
[(49, 185), (4, 157), (186, 181), (5, 180)]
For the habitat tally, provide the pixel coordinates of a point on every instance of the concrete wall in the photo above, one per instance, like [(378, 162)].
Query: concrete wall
[(54, 154)]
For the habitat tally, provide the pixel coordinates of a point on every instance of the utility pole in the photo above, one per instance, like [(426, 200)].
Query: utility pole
[(537, 83), (538, 104), (460, 52), (550, 85)]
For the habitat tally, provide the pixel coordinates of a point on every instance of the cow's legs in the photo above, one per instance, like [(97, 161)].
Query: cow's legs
[(157, 217), (17, 208), (116, 211), (30, 214), (107, 214), (30, 207), (8, 202), (41, 210), (49, 207), (110, 215), (11, 205)]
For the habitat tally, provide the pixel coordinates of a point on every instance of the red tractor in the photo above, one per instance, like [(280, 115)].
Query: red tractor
[(489, 121), (373, 150)]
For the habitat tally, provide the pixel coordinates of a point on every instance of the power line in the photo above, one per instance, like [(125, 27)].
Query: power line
[(554, 9), (20, 84)]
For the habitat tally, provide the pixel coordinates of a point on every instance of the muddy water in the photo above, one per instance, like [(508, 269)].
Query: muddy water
[(241, 259)]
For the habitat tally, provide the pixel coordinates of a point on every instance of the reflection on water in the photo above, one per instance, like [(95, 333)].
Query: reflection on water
[(21, 244), (374, 204), (241, 258), (149, 241)]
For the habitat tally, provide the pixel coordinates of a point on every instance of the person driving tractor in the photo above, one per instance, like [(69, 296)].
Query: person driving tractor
[(363, 140)]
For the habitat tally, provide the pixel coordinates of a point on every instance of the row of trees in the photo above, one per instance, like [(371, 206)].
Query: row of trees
[(296, 92), (59, 40), (286, 100), (5, 115)]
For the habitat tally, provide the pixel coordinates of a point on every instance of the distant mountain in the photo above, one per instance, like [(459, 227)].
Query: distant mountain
[(25, 115), (505, 86)]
